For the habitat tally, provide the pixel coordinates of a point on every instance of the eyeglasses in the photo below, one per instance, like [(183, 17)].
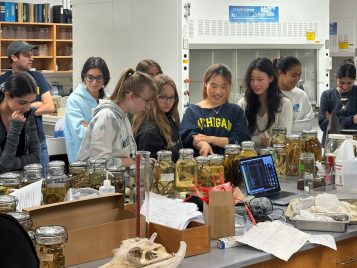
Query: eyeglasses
[(91, 78), (147, 102), (167, 98)]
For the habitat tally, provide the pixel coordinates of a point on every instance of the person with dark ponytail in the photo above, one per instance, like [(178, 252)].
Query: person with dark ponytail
[(109, 133), (288, 70), (80, 104), (264, 105), (19, 143), (341, 100)]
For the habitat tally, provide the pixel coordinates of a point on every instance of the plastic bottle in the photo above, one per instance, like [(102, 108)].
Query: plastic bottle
[(345, 164), (107, 187)]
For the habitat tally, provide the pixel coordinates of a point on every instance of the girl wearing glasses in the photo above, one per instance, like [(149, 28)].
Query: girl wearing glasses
[(341, 100), (158, 129), (214, 122), (109, 133), (19, 143), (80, 104)]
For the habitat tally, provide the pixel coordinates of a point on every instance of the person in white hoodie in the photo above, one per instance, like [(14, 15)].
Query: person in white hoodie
[(288, 69), (109, 134), (80, 104)]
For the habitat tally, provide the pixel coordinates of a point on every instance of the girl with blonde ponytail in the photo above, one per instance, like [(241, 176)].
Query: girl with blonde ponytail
[(109, 133)]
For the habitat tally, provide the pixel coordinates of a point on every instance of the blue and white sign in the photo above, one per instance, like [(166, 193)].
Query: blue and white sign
[(253, 14)]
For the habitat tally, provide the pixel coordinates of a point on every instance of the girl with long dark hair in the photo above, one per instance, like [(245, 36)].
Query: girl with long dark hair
[(264, 104)]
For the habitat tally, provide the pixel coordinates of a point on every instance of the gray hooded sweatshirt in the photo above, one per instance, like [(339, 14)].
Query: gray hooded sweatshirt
[(109, 134)]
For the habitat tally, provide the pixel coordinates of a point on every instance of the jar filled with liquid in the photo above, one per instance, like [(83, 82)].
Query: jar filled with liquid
[(312, 143), (32, 173), (186, 173), (57, 183), (231, 164), (280, 159), (23, 218), (97, 172), (293, 150), (306, 169), (217, 169), (203, 171), (78, 175), (50, 242), (247, 149), (164, 174), (278, 136), (269, 150), (8, 203), (9, 182)]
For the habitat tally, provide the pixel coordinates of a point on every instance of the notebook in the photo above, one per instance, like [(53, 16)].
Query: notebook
[(260, 179)]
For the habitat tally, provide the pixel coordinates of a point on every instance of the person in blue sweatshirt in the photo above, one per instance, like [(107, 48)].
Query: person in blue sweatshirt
[(80, 104), (214, 122)]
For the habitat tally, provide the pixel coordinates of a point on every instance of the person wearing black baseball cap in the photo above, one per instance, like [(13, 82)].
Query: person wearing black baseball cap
[(20, 54)]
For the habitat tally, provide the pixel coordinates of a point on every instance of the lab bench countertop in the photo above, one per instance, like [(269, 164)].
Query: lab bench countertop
[(245, 256)]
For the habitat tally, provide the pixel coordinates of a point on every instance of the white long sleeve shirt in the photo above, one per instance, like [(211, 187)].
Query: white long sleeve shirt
[(303, 112), (284, 118)]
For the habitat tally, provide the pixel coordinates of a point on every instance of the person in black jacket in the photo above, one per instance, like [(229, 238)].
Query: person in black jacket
[(16, 247), (19, 143), (157, 129), (341, 100)]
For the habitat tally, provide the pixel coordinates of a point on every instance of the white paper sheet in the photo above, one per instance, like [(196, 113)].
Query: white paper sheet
[(29, 196), (168, 212), (325, 240), (276, 238)]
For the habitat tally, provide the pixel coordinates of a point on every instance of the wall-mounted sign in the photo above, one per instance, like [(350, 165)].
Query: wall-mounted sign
[(253, 14)]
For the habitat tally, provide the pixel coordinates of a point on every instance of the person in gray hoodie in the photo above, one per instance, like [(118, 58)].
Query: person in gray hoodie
[(109, 134), (80, 104)]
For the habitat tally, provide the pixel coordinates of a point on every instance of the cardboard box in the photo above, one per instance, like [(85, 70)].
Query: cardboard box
[(219, 214), (196, 236), (95, 226)]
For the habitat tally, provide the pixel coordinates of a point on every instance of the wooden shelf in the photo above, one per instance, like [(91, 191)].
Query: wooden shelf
[(27, 40), (46, 64)]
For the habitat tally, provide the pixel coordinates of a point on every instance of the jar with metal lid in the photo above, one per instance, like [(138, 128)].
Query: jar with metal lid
[(268, 150), (8, 203), (50, 243), (247, 149), (78, 175), (57, 183), (97, 172), (23, 218), (293, 149), (278, 136), (216, 163), (164, 174), (32, 173), (203, 171), (231, 164), (280, 159), (9, 182), (116, 176), (186, 172), (311, 143)]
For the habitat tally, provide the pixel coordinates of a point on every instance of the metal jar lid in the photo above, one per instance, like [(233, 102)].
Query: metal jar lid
[(20, 216), (10, 179), (8, 199)]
